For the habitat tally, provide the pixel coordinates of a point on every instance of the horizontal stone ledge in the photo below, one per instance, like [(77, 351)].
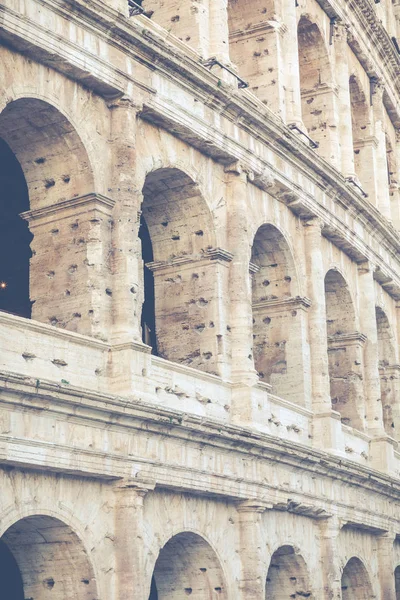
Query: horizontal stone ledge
[(279, 305), (81, 205), (212, 254), (363, 526), (347, 339)]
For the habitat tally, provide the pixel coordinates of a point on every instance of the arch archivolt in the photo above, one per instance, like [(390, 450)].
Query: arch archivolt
[(169, 515), (361, 546), (85, 113), (287, 225), (28, 499), (158, 149)]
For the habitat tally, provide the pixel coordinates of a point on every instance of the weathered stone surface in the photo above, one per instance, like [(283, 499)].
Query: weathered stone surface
[(206, 400)]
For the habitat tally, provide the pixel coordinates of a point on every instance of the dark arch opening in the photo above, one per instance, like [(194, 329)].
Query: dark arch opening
[(356, 584), (187, 566), (15, 237), (42, 557), (148, 321), (397, 581), (287, 576), (10, 576)]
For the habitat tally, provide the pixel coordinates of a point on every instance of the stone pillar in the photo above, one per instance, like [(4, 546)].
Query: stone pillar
[(390, 394), (70, 271), (394, 189), (345, 353), (130, 554), (240, 292), (252, 551), (257, 51), (127, 293), (317, 316), (326, 423), (382, 180), (282, 323), (219, 31), (342, 82), (386, 566), (195, 333), (372, 388), (330, 567), (291, 61)]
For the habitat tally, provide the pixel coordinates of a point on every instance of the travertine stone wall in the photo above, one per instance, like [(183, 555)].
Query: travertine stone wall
[(253, 450)]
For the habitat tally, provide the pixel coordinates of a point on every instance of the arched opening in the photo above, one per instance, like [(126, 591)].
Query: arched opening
[(10, 576), (277, 315), (317, 92), (188, 566), (344, 351), (361, 129), (356, 584), (177, 236), (15, 236), (43, 558), (287, 576), (388, 374), (42, 148), (397, 581), (148, 322)]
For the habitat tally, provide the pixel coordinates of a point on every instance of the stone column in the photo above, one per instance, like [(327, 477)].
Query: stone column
[(127, 264), (219, 31), (252, 551), (240, 318), (345, 352), (342, 81), (394, 189), (390, 394), (70, 274), (257, 52), (317, 316), (386, 566), (291, 60), (195, 335), (372, 388), (330, 568), (382, 180), (326, 422), (129, 541)]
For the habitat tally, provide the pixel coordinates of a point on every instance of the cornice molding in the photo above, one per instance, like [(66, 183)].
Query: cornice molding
[(72, 207)]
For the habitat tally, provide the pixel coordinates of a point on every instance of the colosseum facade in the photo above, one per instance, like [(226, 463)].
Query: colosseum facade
[(200, 299)]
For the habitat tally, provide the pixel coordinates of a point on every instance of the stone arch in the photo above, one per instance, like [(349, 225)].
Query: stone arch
[(317, 93), (49, 149), (288, 575), (181, 241), (361, 129), (345, 351), (187, 565), (397, 581), (47, 560), (65, 215), (277, 314), (389, 374), (356, 583)]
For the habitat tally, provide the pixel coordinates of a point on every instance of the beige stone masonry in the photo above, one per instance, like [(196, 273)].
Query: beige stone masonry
[(70, 281)]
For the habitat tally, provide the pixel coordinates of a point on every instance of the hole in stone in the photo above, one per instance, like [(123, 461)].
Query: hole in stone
[(49, 583), (48, 183)]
